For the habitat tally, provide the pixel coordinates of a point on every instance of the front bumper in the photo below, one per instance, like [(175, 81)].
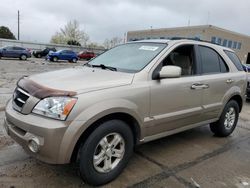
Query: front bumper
[(49, 132)]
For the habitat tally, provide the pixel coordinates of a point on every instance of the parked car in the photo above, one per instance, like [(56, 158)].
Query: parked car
[(86, 55), (63, 55), (246, 67), (134, 93), (15, 52), (43, 53)]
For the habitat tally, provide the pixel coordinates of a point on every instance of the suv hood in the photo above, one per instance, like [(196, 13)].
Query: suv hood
[(82, 79)]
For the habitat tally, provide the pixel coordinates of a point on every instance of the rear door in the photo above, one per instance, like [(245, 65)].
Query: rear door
[(63, 55), (67, 55), (17, 51), (216, 76)]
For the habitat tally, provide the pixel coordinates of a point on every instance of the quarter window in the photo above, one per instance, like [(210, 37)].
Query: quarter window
[(234, 58)]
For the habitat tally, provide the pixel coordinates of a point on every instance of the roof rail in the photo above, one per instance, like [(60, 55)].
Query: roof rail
[(192, 38)]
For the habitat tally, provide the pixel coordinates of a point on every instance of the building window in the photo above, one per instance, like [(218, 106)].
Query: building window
[(235, 45), (224, 42), (213, 40), (229, 44), (239, 45), (219, 41)]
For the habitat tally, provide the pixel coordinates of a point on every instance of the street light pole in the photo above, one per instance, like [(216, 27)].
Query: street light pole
[(18, 25)]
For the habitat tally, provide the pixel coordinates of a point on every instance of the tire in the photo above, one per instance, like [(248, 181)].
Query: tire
[(74, 60), (23, 57), (228, 120), (97, 174), (39, 56), (55, 59)]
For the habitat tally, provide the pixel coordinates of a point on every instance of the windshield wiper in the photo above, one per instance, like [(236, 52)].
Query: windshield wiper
[(102, 66)]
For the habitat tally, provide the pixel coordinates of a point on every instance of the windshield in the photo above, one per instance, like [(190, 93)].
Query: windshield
[(131, 57)]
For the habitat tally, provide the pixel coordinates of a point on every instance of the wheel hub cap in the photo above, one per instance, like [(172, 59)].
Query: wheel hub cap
[(229, 118), (109, 152)]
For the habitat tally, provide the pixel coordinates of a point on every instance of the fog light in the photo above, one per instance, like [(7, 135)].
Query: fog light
[(34, 145)]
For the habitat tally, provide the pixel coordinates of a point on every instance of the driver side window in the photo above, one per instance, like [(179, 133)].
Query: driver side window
[(183, 57)]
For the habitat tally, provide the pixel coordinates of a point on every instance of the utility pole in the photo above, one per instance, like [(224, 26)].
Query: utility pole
[(18, 25)]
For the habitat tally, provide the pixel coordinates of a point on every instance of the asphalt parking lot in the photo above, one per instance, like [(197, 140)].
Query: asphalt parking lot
[(194, 158)]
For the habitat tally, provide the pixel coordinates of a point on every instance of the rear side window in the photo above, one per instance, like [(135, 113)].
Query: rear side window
[(234, 58), (211, 61)]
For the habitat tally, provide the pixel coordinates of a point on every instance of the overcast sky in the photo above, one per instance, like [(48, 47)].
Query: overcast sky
[(102, 19)]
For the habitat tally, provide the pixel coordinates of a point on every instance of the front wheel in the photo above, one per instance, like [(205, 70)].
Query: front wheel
[(228, 120), (55, 59), (106, 152)]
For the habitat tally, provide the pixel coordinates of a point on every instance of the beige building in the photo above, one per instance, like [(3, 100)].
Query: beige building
[(236, 41)]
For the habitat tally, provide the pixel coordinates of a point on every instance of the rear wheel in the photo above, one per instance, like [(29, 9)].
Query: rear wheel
[(228, 120), (55, 59), (106, 152), (74, 60), (39, 55), (23, 57)]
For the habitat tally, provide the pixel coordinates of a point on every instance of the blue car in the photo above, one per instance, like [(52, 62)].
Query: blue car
[(15, 52), (63, 55), (246, 67)]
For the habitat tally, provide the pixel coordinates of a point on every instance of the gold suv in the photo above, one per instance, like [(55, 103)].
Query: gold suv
[(134, 93)]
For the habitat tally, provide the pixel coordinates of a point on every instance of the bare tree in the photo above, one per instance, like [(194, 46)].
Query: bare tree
[(71, 32), (110, 43)]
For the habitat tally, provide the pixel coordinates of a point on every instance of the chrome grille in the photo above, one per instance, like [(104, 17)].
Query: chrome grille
[(19, 98)]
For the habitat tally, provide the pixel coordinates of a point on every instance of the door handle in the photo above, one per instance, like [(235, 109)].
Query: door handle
[(229, 81), (199, 86)]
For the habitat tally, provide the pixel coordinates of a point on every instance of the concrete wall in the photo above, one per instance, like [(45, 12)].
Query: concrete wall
[(40, 46), (205, 32)]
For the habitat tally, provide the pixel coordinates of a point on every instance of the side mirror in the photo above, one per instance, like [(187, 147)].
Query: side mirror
[(170, 72)]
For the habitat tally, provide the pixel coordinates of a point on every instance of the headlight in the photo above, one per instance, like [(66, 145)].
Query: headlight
[(55, 107)]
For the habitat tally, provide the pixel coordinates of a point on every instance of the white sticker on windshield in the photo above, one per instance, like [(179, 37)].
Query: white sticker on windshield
[(149, 48)]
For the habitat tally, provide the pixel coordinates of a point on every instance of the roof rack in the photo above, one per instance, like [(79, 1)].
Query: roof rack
[(192, 38)]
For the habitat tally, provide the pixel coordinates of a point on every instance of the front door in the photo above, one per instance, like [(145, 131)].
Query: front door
[(176, 102)]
